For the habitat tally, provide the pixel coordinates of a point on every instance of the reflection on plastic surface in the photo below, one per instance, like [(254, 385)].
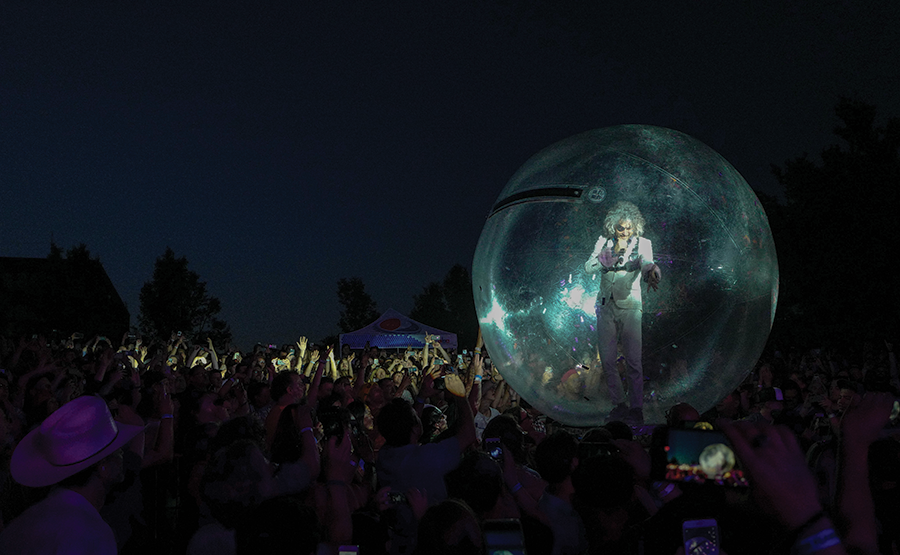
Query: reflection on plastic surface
[(705, 327)]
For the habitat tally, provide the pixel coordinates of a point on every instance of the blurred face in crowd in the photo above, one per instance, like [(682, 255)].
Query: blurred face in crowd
[(325, 389), (297, 388), (388, 388), (199, 377), (375, 399), (40, 392), (791, 398), (262, 398), (765, 374), (845, 398), (729, 405), (212, 409)]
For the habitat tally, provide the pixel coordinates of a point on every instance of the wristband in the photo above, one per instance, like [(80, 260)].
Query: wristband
[(799, 531), (663, 489), (817, 542), (517, 487), (477, 350), (306, 429), (164, 416)]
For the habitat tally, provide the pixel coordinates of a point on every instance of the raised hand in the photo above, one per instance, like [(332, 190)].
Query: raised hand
[(777, 469)]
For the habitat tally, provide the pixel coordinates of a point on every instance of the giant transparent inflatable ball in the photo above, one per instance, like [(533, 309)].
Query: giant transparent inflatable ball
[(704, 327)]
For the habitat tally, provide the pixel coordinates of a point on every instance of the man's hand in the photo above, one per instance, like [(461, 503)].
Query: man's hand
[(653, 277), (777, 469)]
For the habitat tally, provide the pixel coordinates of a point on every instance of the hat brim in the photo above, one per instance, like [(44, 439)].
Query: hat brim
[(29, 467)]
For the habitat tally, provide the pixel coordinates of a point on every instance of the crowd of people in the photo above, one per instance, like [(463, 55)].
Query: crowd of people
[(163, 446)]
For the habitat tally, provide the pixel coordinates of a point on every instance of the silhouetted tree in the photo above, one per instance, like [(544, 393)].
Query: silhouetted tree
[(359, 307), (449, 305), (176, 300), (838, 243)]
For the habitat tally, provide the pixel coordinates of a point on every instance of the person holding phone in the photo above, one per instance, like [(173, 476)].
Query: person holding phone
[(623, 258)]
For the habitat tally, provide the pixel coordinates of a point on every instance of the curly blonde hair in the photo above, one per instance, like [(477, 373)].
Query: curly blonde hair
[(620, 212)]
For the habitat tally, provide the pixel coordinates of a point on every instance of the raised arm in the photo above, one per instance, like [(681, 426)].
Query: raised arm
[(439, 347), (860, 427), (212, 353), (313, 394), (465, 434)]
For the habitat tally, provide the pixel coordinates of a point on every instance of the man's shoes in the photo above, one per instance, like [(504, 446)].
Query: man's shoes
[(620, 412), (635, 417)]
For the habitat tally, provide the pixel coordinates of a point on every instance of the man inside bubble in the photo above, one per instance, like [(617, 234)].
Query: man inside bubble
[(621, 256)]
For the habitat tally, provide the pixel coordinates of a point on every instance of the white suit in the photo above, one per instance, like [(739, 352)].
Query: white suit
[(619, 309)]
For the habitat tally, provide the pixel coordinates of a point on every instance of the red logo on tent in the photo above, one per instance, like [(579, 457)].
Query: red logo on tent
[(390, 324)]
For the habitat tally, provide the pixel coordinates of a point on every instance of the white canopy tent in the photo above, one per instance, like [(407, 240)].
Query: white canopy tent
[(393, 330)]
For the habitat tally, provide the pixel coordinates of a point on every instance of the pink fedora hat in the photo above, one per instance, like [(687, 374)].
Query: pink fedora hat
[(77, 435)]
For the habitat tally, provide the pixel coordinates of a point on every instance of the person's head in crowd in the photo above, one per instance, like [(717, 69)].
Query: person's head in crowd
[(203, 408), (40, 402), (399, 424), (619, 430), (78, 446), (434, 422), (505, 429), (237, 479), (766, 375), (604, 490), (478, 480), (4, 387), (729, 406), (215, 379), (287, 388), (7, 435), (326, 387), (817, 385), (769, 402), (388, 387), (342, 385), (345, 351), (333, 400), (198, 377), (279, 526), (362, 416), (791, 395), (878, 379), (375, 398), (598, 435), (287, 443), (557, 457), (681, 413), (239, 428), (259, 394), (449, 528), (846, 392), (488, 393)]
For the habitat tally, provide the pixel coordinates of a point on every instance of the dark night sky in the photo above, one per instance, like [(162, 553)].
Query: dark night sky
[(280, 146)]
